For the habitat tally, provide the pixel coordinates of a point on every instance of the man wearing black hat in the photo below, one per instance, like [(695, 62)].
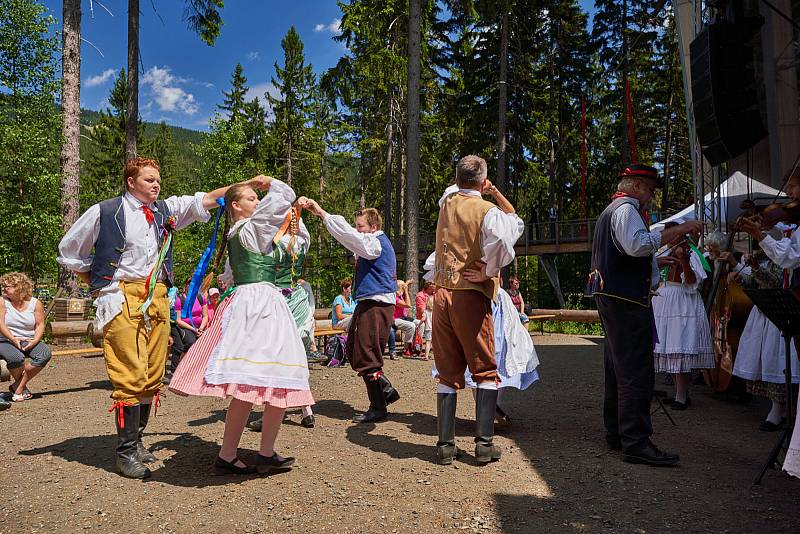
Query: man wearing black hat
[(624, 272)]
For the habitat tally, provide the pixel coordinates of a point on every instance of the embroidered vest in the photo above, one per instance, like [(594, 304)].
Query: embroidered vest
[(458, 243), (110, 242)]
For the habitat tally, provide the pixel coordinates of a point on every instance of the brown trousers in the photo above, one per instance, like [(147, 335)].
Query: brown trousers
[(463, 336), (368, 334)]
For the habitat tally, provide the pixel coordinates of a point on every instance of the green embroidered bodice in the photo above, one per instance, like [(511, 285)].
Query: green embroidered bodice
[(277, 267)]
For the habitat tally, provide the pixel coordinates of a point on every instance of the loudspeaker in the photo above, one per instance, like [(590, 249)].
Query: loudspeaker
[(727, 112)]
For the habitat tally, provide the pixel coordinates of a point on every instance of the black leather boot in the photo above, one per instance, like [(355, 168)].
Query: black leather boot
[(127, 423), (389, 392), (143, 454), (485, 450), (377, 402), (446, 449)]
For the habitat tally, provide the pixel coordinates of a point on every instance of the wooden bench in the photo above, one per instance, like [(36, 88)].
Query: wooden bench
[(541, 318)]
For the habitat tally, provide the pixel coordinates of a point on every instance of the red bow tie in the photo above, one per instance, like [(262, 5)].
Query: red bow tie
[(148, 213)]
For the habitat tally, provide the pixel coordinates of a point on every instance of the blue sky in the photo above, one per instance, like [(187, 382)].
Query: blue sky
[(181, 78)]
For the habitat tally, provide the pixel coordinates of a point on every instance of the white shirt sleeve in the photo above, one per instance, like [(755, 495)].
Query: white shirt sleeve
[(187, 209), (257, 232), (499, 233), (631, 234), (784, 252), (430, 263), (227, 275), (365, 246), (699, 273), (75, 248)]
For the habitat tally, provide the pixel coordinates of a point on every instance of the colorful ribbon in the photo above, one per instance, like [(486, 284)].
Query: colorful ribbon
[(152, 278), (202, 267)]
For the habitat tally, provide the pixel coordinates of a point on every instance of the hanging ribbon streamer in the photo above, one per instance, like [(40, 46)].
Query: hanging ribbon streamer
[(701, 257), (152, 278), (202, 267)]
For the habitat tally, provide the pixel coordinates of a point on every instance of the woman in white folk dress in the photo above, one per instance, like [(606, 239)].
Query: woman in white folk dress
[(252, 351), (684, 337)]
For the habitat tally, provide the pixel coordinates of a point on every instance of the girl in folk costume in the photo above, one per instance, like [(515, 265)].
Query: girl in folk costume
[(684, 337), (760, 359), (290, 246), (252, 351)]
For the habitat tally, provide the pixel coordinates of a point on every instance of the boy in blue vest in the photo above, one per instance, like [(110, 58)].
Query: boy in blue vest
[(375, 285), (122, 249)]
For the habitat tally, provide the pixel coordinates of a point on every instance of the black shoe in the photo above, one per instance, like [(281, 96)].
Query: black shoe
[(256, 424), (128, 462), (614, 443), (769, 426), (266, 465), (389, 392), (501, 418), (680, 406), (307, 422), (649, 454), (377, 402), (222, 467), (142, 453)]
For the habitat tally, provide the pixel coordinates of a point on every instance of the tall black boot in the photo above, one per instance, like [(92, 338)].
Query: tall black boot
[(485, 450), (143, 454), (446, 449), (389, 392), (377, 402), (127, 423)]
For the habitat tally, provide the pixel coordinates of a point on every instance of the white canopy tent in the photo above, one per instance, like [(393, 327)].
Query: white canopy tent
[(731, 193)]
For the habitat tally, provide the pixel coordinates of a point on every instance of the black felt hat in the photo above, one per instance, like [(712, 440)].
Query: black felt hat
[(637, 170)]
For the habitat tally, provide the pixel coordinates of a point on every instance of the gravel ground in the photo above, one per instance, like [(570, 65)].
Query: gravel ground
[(57, 463)]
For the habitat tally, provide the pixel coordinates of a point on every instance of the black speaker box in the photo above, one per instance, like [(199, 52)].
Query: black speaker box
[(727, 112)]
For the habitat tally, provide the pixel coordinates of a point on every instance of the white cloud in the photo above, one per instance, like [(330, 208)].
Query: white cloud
[(335, 27), (253, 56), (100, 79), (259, 91), (164, 89)]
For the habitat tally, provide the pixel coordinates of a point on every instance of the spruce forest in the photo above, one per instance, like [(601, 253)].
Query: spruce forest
[(511, 81)]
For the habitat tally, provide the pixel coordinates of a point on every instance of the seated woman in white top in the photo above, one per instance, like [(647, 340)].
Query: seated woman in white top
[(21, 330)]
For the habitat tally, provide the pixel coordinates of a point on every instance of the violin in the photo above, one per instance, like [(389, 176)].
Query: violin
[(771, 214)]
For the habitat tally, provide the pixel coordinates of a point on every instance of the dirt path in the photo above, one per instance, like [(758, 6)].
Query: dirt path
[(56, 463)]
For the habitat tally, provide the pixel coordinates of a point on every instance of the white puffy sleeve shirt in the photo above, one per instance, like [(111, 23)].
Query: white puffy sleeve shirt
[(75, 251)]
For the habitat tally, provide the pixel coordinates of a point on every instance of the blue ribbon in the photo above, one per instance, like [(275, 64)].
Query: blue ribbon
[(202, 267)]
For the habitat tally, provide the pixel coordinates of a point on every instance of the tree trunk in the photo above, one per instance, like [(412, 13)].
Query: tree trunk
[(398, 191), (412, 145), (502, 99), (289, 160), (71, 131), (132, 118), (387, 193)]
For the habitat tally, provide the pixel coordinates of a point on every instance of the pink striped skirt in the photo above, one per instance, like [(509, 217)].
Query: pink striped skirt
[(189, 377)]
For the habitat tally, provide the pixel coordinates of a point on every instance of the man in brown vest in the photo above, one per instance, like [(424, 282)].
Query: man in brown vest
[(474, 240)]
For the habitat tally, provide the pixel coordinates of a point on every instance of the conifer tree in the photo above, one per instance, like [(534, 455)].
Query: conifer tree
[(234, 102)]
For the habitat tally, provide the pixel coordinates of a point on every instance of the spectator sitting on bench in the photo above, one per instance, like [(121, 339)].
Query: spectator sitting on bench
[(343, 306), (401, 309), (21, 330)]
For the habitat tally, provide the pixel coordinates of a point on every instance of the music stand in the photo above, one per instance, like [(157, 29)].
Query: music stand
[(782, 307)]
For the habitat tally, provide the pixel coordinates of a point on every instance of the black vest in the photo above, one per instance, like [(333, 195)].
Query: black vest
[(110, 242), (615, 273)]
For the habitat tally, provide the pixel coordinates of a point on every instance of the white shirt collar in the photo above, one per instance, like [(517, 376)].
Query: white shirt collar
[(470, 192), (137, 204)]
